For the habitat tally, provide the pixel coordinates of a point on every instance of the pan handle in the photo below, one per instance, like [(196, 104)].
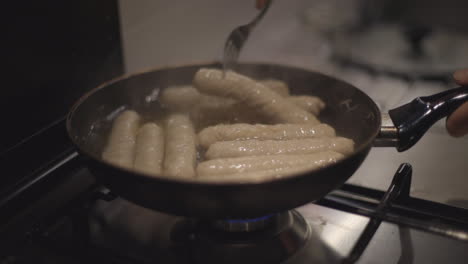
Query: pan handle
[(412, 120)]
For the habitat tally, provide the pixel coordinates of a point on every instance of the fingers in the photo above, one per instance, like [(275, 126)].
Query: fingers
[(461, 77), (457, 122)]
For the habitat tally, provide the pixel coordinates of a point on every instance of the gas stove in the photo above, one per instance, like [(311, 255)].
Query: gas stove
[(53, 211), (62, 215)]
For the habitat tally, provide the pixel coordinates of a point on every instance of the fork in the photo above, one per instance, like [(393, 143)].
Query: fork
[(237, 38)]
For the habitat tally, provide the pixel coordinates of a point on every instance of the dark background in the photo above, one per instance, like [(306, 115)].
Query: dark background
[(53, 51)]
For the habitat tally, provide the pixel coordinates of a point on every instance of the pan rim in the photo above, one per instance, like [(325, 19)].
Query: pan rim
[(210, 182)]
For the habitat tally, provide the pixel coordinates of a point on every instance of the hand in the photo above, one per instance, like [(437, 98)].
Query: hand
[(457, 122)]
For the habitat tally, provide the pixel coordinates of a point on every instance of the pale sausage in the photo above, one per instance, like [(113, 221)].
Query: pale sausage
[(179, 98), (276, 86), (253, 94), (265, 162), (254, 147), (217, 133), (149, 150), (311, 104), (120, 148), (181, 153), (262, 175)]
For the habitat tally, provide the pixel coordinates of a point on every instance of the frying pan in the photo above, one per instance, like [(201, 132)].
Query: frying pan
[(350, 111)]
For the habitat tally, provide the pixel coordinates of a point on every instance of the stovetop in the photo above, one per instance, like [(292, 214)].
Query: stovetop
[(68, 218), (57, 213)]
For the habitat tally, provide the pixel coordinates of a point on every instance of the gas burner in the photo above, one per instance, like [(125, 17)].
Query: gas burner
[(245, 225), (279, 238)]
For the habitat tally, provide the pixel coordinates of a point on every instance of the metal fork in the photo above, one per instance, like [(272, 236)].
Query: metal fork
[(237, 38)]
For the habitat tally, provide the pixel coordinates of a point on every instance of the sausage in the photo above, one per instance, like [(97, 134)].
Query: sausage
[(311, 104), (264, 162), (179, 98), (254, 147), (262, 175), (149, 149), (213, 110), (276, 86), (215, 102), (253, 94), (217, 133), (181, 153), (120, 148), (227, 114)]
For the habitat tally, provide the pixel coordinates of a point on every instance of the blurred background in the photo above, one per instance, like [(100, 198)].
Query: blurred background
[(394, 50)]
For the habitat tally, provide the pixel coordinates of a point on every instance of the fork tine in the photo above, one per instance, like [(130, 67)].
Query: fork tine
[(237, 38), (228, 41), (233, 52), (229, 55), (232, 48)]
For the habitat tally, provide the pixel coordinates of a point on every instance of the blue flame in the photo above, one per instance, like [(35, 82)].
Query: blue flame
[(250, 220)]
